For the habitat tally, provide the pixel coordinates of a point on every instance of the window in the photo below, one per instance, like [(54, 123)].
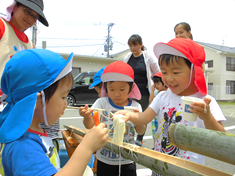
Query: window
[(210, 63), (76, 71), (88, 79), (230, 64), (231, 86), (210, 86)]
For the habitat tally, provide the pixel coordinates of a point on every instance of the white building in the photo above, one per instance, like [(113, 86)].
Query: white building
[(220, 71), (91, 63)]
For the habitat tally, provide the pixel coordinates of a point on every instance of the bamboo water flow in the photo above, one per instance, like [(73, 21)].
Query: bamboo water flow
[(215, 144), (159, 162)]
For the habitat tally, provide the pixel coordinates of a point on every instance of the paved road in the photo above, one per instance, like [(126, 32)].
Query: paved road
[(71, 117)]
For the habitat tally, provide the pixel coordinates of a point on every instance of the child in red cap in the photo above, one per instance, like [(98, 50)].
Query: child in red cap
[(157, 87), (119, 87), (180, 61)]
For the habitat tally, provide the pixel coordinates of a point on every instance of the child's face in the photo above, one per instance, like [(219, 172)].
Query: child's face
[(23, 17), (98, 90), (159, 86), (58, 102), (176, 76), (118, 91), (180, 32), (135, 48)]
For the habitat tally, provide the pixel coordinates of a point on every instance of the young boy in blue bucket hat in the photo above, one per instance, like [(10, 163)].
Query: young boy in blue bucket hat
[(97, 82), (36, 83)]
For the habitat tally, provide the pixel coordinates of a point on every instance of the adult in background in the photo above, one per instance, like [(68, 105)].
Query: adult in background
[(144, 66), (21, 15), (183, 30)]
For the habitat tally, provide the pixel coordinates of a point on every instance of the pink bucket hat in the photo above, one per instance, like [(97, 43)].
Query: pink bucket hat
[(190, 50), (120, 71)]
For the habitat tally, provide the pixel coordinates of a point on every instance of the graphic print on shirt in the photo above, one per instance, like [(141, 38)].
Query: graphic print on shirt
[(169, 117), (128, 135)]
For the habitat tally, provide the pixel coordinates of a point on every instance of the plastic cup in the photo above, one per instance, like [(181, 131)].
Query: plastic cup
[(186, 102), (129, 108), (88, 172)]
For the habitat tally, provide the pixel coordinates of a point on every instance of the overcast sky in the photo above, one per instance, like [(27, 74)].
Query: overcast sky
[(83, 23)]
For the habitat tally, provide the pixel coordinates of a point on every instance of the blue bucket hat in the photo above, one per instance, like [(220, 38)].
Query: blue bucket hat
[(97, 79), (27, 73)]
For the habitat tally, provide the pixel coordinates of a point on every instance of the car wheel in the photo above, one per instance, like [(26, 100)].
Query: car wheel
[(70, 100)]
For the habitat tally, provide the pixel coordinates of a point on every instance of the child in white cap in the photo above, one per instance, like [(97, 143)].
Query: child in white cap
[(37, 90)]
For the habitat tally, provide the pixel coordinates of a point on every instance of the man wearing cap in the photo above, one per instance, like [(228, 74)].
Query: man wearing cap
[(21, 15)]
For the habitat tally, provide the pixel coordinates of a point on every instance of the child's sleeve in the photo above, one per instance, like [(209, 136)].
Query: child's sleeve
[(155, 104), (98, 103), (216, 111)]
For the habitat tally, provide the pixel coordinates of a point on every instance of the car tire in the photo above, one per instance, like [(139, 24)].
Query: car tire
[(70, 100)]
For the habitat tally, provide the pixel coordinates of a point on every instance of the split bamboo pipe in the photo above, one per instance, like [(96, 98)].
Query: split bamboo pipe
[(211, 143), (159, 162)]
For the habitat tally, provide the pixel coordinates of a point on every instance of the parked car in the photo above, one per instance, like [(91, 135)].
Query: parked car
[(80, 94)]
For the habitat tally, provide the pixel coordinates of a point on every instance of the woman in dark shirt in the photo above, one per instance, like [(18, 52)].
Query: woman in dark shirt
[(144, 66)]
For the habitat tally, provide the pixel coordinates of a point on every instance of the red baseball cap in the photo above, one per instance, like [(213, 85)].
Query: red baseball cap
[(158, 74), (190, 50), (120, 71)]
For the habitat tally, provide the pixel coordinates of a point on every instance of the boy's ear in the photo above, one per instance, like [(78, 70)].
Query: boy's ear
[(39, 100), (193, 74)]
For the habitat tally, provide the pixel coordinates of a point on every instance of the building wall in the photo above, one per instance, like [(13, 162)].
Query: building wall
[(218, 74), (89, 63)]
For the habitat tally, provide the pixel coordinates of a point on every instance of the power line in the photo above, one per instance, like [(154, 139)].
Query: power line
[(45, 38), (72, 46), (99, 48)]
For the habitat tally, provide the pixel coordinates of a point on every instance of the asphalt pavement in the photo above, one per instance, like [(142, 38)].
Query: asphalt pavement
[(72, 117)]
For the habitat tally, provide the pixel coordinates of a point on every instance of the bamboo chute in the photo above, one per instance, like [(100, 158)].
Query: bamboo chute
[(159, 162), (214, 144)]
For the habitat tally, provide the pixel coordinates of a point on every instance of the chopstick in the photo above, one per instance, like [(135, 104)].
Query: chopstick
[(96, 109)]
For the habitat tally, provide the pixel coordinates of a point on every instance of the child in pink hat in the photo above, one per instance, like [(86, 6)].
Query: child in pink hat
[(180, 61), (119, 87)]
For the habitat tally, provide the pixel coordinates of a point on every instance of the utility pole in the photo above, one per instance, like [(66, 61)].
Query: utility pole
[(34, 35), (109, 29)]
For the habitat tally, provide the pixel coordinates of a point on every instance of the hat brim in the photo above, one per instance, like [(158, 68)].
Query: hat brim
[(135, 92), (35, 8), (92, 86), (163, 48), (115, 77), (66, 69)]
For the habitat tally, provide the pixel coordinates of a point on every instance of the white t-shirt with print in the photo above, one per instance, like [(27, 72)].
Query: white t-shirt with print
[(105, 155), (168, 107)]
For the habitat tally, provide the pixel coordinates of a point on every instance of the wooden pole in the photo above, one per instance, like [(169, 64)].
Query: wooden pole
[(215, 144), (159, 162)]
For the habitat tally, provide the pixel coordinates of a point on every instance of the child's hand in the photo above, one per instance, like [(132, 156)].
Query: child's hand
[(124, 113), (136, 110), (153, 88), (200, 109), (96, 138), (85, 111)]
